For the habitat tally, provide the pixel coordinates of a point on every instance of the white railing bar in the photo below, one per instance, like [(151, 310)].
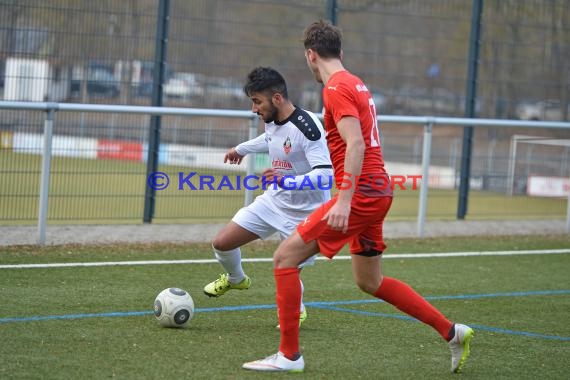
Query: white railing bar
[(77, 107), (428, 121), (459, 121)]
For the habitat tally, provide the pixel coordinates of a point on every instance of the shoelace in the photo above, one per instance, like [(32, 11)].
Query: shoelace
[(222, 282), (272, 357)]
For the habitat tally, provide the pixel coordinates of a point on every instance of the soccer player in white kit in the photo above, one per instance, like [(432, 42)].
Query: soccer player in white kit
[(297, 183)]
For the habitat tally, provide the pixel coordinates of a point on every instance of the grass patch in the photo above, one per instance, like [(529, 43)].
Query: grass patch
[(335, 343)]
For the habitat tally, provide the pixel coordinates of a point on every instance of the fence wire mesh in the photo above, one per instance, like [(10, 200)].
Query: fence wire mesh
[(412, 54)]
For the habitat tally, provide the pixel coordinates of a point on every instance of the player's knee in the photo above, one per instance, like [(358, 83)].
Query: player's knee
[(367, 285), (277, 260), (280, 260), (221, 244), (292, 252)]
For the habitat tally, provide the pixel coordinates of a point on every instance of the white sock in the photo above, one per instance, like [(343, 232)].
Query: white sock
[(231, 261), (302, 291)]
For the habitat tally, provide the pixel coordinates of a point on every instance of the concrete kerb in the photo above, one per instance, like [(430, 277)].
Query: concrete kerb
[(204, 233)]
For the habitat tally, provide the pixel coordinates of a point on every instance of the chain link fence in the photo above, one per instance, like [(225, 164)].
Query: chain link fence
[(413, 55)]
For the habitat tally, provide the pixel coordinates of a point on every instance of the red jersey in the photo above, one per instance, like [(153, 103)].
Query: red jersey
[(344, 94)]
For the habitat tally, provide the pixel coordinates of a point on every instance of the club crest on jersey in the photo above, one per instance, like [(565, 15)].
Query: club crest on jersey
[(287, 145)]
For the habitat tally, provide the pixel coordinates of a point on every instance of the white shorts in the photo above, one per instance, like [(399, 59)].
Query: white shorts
[(264, 219)]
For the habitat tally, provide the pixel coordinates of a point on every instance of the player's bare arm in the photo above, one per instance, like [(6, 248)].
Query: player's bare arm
[(233, 157), (351, 133)]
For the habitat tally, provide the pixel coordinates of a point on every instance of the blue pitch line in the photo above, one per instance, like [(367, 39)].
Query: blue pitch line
[(317, 304), (476, 327), (326, 306), (523, 333), (75, 316), (127, 313), (460, 297)]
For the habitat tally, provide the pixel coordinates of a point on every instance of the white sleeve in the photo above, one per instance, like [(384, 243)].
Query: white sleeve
[(319, 178), (317, 152), (256, 145), (318, 156)]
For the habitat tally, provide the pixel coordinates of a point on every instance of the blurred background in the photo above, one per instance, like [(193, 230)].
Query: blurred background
[(412, 54)]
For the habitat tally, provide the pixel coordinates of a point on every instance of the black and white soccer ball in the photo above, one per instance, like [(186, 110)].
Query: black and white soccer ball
[(174, 307)]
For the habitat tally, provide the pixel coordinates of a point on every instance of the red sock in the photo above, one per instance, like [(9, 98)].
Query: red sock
[(288, 304), (403, 297)]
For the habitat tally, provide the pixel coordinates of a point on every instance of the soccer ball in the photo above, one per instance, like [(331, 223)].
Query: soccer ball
[(173, 307)]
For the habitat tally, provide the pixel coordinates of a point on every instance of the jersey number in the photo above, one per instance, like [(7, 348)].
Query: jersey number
[(374, 139)]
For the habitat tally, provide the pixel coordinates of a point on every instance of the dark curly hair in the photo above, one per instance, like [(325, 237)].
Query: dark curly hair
[(267, 80)]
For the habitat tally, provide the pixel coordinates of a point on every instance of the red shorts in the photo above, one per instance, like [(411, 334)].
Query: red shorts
[(364, 232)]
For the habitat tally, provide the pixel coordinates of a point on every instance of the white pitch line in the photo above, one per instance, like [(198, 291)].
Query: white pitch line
[(269, 259)]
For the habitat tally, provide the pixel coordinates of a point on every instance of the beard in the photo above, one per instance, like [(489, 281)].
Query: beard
[(271, 115)]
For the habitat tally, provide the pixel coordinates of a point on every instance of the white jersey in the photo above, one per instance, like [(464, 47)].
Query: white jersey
[(297, 148)]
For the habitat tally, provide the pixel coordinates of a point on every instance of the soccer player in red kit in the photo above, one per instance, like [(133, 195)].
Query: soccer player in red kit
[(354, 215)]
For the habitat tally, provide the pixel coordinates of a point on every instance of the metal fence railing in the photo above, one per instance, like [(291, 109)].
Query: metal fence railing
[(97, 178)]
